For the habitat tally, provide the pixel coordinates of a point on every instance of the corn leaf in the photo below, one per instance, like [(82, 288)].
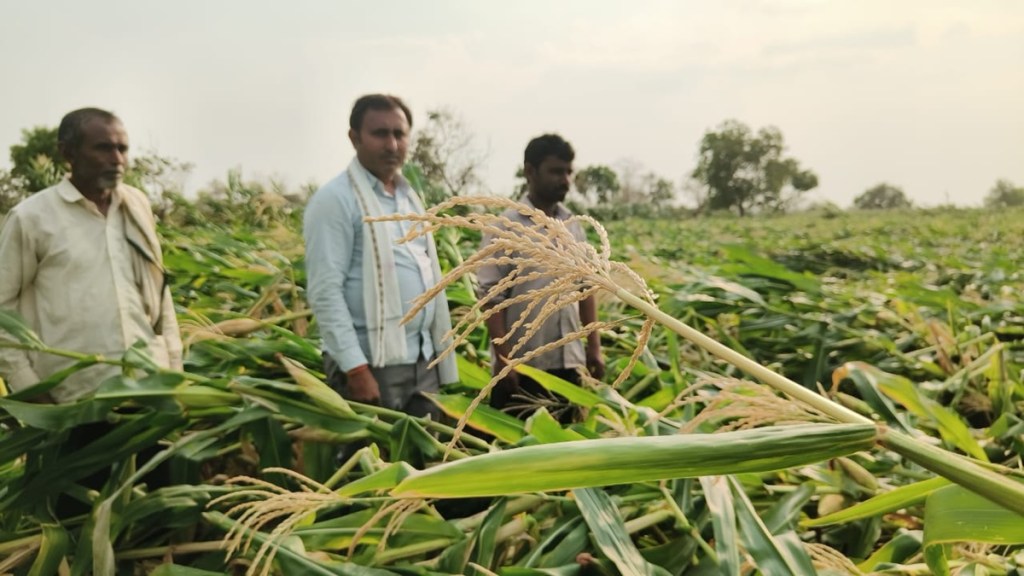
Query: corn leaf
[(720, 503), (543, 426), (609, 533), (950, 426), (954, 514), (781, 553), (587, 463), (902, 547), (484, 418), (891, 501), (54, 546), (570, 391), (485, 538), (384, 479), (472, 374)]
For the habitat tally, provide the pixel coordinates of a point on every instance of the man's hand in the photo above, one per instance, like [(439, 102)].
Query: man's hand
[(363, 387), (502, 392), (595, 365)]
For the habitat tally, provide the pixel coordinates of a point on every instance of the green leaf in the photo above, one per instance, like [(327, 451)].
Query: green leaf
[(53, 548), (586, 463), (902, 547), (743, 261), (902, 390), (560, 546), (12, 323), (411, 443), (485, 539), (543, 426), (786, 510), (570, 391), (891, 501), (718, 496), (271, 442), (384, 479), (954, 514), (471, 374), (867, 386), (484, 418), (783, 553), (609, 533)]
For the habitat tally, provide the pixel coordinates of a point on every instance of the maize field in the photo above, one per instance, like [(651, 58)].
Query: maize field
[(816, 393)]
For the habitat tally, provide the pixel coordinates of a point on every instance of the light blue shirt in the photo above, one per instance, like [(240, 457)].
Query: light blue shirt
[(333, 231)]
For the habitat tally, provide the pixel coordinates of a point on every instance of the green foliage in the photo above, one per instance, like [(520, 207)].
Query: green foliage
[(611, 195), (238, 202), (748, 172), (929, 306), (882, 197), (12, 191), (598, 183), (37, 160), (1004, 195)]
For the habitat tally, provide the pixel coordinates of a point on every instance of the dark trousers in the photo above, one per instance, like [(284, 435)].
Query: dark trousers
[(401, 386)]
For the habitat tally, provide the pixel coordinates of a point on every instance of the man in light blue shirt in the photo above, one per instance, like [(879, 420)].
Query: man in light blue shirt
[(361, 281)]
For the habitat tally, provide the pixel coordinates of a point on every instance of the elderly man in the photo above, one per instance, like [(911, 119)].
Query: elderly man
[(547, 166), (81, 263), (361, 282)]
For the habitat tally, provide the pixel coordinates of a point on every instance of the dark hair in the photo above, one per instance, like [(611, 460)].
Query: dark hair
[(548, 145), (69, 134), (376, 102)]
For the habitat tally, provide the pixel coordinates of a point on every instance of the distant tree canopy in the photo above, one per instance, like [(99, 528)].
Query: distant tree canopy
[(882, 197), (36, 161), (1004, 195), (598, 183), (448, 158), (746, 172)]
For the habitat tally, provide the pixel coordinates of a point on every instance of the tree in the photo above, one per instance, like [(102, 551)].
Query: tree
[(447, 155), (1004, 195), (882, 197), (597, 183), (36, 161), (12, 191), (745, 172)]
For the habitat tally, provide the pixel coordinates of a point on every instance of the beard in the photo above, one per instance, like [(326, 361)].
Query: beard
[(109, 181)]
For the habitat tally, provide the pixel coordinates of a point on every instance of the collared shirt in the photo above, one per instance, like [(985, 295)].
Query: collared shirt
[(67, 270), (565, 321), (333, 231)]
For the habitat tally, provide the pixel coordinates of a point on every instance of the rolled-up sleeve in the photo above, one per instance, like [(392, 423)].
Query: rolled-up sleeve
[(17, 269), (329, 233)]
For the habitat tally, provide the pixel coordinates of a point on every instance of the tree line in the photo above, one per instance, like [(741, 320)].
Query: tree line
[(738, 170)]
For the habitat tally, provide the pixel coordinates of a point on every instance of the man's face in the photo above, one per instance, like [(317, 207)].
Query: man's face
[(98, 162), (549, 182), (382, 142)]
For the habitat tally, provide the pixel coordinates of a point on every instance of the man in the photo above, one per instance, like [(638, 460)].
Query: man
[(361, 282), (81, 263), (547, 166)]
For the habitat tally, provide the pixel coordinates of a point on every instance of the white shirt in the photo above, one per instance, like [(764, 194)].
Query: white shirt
[(67, 270)]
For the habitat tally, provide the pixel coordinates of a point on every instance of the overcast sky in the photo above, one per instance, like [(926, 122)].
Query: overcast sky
[(924, 94)]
